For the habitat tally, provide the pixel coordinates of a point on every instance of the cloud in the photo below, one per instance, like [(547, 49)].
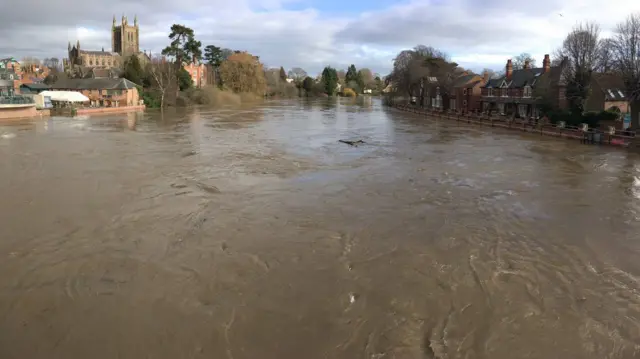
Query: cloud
[(295, 33)]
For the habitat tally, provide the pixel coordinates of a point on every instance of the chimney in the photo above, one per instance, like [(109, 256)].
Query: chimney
[(527, 64), (509, 69), (485, 77), (546, 63)]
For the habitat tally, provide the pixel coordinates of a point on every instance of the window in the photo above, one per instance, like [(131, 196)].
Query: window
[(489, 92), (452, 104), (90, 62), (464, 103), (501, 108), (522, 110), (103, 62), (505, 92), (464, 91), (527, 91)]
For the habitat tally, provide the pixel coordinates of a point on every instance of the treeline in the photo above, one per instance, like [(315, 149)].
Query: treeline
[(164, 81)]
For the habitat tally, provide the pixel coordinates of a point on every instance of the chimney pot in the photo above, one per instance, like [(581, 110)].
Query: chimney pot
[(509, 69), (546, 63)]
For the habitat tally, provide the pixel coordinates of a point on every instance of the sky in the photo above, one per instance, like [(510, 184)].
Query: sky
[(312, 34)]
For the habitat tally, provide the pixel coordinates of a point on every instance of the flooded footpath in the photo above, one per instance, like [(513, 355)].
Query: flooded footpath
[(253, 233)]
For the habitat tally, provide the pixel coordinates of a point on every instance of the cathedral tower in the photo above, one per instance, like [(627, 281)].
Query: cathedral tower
[(125, 37)]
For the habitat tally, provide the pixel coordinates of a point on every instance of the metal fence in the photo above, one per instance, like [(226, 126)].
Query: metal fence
[(16, 100)]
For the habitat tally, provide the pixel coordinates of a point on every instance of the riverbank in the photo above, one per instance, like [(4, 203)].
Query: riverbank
[(9, 112), (590, 136), (97, 110)]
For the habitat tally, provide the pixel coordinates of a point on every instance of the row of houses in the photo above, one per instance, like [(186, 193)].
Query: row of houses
[(102, 86), (520, 92)]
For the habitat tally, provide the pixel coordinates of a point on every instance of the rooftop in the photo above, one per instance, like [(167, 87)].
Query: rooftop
[(519, 78), (99, 53), (94, 84), (612, 86)]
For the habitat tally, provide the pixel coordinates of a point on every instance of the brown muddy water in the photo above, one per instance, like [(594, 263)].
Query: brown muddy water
[(254, 233)]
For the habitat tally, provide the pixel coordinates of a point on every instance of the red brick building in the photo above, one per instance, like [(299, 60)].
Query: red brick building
[(520, 92), (199, 74), (467, 92)]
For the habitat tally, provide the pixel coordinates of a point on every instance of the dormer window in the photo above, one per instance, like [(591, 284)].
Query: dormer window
[(527, 91)]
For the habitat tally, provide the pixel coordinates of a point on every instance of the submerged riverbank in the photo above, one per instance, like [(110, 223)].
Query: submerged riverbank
[(588, 136)]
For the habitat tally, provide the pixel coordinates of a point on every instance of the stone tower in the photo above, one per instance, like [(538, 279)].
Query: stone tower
[(125, 37)]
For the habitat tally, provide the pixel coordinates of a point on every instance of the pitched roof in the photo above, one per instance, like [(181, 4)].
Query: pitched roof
[(36, 86), (473, 84), (612, 86), (99, 53), (519, 78), (94, 84), (463, 80), (101, 72)]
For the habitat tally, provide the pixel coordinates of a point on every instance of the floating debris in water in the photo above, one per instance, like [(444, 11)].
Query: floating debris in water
[(352, 143), (8, 135), (352, 297)]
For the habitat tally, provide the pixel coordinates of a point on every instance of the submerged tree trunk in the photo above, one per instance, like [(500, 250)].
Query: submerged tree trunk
[(162, 101)]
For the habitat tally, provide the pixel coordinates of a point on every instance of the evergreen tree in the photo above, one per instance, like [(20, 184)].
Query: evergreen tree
[(307, 84), (133, 70), (283, 74), (185, 81), (213, 55), (329, 80), (352, 74)]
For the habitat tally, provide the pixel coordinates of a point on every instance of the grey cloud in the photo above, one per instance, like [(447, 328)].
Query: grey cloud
[(287, 38), (450, 28)]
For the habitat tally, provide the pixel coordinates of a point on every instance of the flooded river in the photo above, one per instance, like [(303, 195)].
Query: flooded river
[(254, 233)]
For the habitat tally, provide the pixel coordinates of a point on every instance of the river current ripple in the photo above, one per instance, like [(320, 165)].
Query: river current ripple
[(253, 233)]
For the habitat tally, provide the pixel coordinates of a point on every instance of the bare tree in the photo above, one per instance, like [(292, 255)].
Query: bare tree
[(163, 74), (242, 72), (367, 77), (28, 60), (626, 54), (581, 49), (491, 73), (422, 71), (297, 74), (430, 52), (520, 60), (342, 74), (605, 55), (52, 63)]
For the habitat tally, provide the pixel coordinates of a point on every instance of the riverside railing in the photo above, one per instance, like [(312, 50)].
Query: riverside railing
[(16, 100), (588, 135)]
